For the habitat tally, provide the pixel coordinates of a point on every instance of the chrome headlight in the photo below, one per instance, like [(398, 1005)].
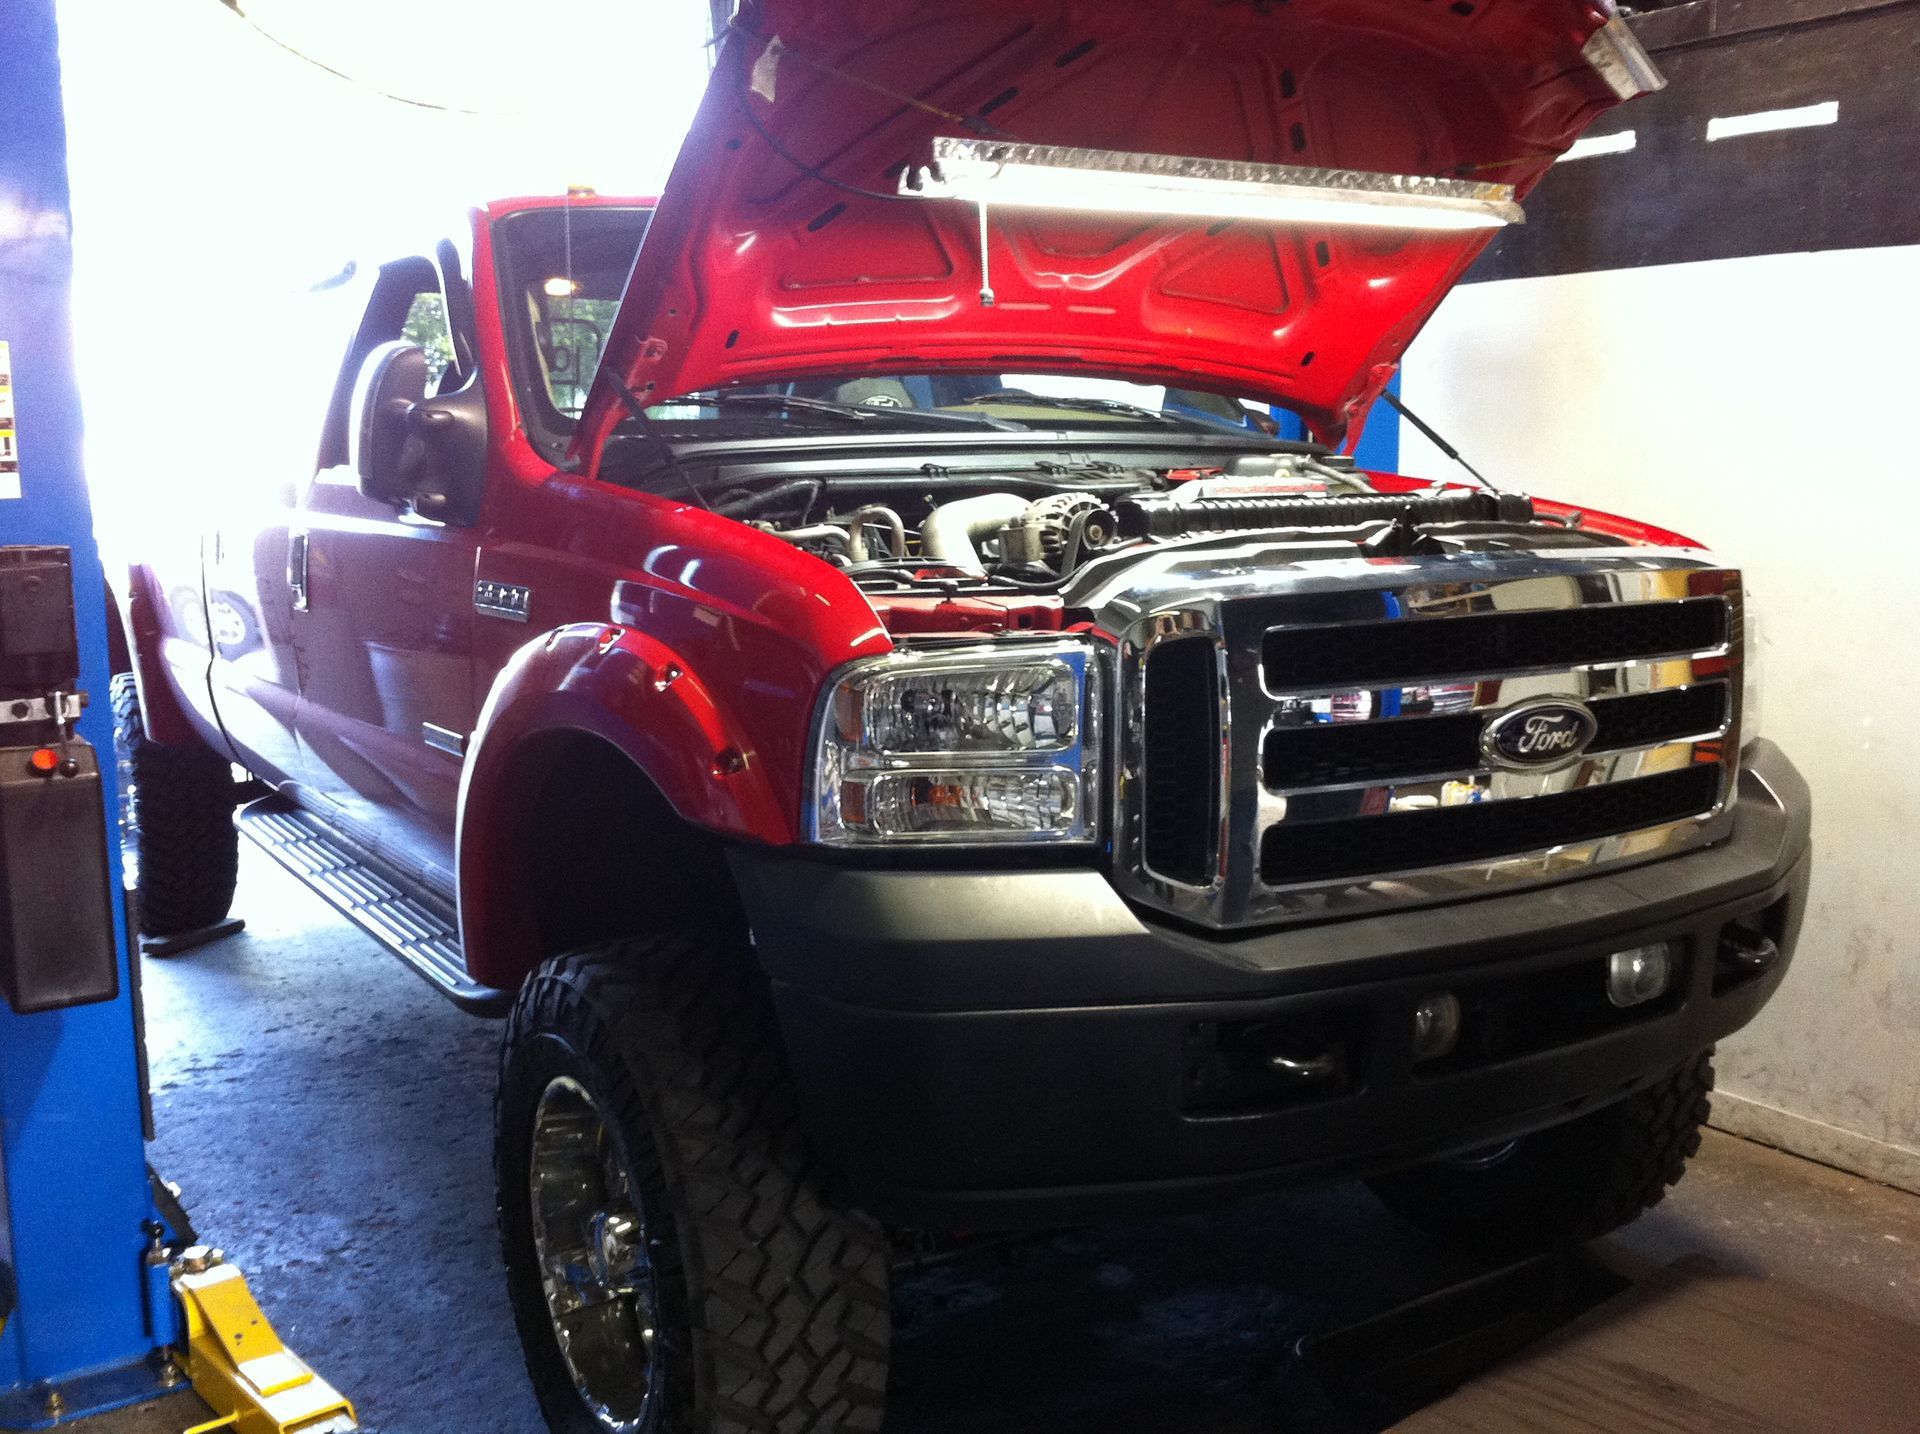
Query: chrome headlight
[(960, 746)]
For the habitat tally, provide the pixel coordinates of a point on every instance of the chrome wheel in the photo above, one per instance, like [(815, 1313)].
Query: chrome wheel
[(591, 1244)]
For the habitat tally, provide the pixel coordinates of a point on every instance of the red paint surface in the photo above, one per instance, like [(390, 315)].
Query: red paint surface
[(755, 268), (1595, 520), (698, 646)]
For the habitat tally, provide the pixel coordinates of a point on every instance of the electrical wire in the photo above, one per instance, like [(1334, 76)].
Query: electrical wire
[(813, 171), (318, 64)]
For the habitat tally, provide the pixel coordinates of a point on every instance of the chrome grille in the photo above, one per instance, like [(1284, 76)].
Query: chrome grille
[(1328, 756)]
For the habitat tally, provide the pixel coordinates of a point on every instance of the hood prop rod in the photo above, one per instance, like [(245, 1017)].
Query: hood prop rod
[(987, 296), (1393, 402), (638, 411)]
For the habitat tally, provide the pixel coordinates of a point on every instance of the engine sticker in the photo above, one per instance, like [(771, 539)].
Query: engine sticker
[(9, 440)]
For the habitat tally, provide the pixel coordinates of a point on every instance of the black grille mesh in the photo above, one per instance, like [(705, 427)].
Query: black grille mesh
[(1181, 754), (1305, 851), (1654, 717), (1329, 753), (1356, 654)]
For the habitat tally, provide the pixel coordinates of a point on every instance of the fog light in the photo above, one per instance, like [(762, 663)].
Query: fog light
[(1436, 1026), (1639, 974)]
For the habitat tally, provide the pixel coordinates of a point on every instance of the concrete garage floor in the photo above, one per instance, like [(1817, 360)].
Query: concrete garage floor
[(327, 1116)]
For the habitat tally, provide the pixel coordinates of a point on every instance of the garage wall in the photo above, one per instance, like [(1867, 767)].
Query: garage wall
[(1754, 404), (1759, 399)]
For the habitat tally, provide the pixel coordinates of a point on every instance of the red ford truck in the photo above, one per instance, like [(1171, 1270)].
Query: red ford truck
[(844, 659)]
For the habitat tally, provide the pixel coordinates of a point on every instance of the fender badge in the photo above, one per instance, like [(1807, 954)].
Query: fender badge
[(492, 599)]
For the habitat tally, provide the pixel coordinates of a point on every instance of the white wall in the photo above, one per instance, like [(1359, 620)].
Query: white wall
[(1767, 408), (217, 176)]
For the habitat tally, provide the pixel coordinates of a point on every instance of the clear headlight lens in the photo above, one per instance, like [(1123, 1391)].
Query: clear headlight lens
[(984, 744), (1750, 668)]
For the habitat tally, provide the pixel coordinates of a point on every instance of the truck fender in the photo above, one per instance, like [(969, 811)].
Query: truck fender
[(133, 613), (638, 696)]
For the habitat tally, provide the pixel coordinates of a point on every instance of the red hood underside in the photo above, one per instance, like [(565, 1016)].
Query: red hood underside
[(776, 251)]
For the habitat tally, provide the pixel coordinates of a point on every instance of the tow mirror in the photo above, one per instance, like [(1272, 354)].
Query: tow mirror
[(386, 451), (429, 454)]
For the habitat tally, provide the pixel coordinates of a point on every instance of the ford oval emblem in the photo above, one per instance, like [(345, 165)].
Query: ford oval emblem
[(1549, 732)]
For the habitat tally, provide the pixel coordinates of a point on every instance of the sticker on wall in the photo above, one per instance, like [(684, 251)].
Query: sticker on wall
[(9, 442)]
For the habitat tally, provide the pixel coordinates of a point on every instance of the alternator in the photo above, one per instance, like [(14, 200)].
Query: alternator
[(1039, 536)]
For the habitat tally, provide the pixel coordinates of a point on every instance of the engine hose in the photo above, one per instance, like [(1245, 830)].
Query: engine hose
[(758, 502), (1165, 518)]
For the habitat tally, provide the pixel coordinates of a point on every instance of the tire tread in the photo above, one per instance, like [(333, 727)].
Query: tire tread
[(787, 1287), (1570, 1183), (189, 846)]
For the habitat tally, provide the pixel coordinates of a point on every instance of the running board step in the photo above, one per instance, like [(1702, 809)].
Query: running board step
[(412, 923)]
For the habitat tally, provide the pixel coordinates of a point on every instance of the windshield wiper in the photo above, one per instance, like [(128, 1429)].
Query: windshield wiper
[(1079, 405), (859, 413)]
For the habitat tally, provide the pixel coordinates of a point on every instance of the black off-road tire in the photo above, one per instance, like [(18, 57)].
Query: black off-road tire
[(180, 810), (1566, 1185), (771, 1296)]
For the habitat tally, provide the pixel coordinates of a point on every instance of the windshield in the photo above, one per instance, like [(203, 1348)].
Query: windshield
[(563, 270)]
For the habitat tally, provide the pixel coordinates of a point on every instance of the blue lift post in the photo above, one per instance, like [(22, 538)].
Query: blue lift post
[(91, 1312)]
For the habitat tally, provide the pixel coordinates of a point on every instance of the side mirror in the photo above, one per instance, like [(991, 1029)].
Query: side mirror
[(429, 454), (386, 452)]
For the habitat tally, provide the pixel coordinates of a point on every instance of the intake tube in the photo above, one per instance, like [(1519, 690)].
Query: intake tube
[(884, 517), (950, 531), (1167, 518)]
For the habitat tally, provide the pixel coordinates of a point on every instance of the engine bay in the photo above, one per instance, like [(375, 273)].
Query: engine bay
[(932, 529)]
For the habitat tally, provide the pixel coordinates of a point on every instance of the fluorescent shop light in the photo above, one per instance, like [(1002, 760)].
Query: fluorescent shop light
[(1766, 121), (1598, 144), (994, 173)]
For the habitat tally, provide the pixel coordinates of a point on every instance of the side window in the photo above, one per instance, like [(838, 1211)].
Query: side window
[(572, 331), (427, 327)]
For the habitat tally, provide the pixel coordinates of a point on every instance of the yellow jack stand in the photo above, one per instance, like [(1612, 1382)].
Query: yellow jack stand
[(254, 1383)]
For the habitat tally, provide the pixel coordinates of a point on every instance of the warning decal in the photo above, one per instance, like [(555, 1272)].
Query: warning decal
[(9, 443)]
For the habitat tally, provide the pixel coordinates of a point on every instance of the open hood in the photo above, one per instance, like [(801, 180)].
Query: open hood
[(783, 246)]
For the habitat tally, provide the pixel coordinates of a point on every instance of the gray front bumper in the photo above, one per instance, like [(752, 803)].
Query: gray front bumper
[(1004, 1046)]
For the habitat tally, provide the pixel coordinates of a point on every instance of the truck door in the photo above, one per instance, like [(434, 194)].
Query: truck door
[(265, 464), (386, 616)]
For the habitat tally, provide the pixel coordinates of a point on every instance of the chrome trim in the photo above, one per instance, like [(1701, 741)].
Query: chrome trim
[(1619, 58), (1487, 769), (443, 739), (507, 600), (1592, 684), (1130, 769), (1473, 785), (1234, 592)]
